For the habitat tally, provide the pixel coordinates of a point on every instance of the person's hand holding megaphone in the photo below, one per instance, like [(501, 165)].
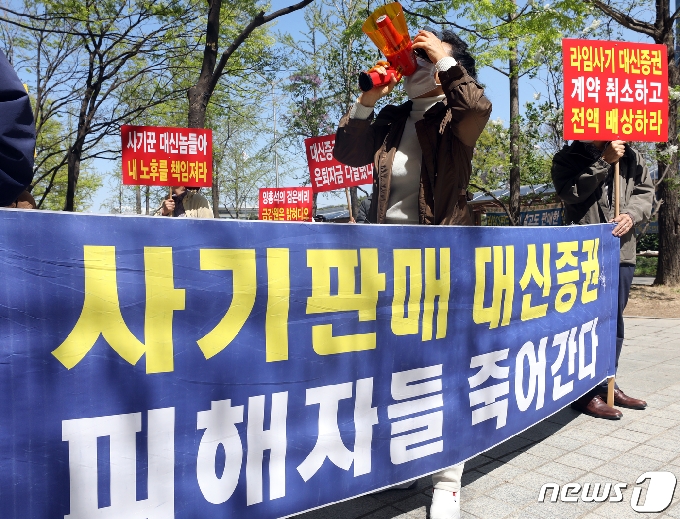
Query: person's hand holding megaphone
[(371, 97)]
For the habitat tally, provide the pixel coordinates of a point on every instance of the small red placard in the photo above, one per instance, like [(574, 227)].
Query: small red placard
[(327, 173), (161, 156), (615, 90), (286, 203)]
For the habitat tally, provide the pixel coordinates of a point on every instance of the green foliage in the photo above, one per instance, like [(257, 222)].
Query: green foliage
[(646, 266), (491, 158), (326, 65), (51, 175), (492, 27), (648, 242)]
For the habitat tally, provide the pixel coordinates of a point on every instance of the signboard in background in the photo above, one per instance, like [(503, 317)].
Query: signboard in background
[(286, 204), (615, 90), (548, 215), (326, 172), (161, 156)]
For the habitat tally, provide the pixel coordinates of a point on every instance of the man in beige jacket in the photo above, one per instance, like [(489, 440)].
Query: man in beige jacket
[(185, 202), (583, 175)]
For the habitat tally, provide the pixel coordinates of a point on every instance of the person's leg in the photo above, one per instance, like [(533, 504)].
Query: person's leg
[(449, 479), (446, 494), (625, 281), (626, 272), (594, 402)]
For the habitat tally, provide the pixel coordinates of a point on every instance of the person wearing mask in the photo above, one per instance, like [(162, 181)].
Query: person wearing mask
[(185, 202), (583, 176), (422, 156)]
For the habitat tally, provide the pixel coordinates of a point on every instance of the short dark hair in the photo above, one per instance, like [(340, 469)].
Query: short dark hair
[(459, 51)]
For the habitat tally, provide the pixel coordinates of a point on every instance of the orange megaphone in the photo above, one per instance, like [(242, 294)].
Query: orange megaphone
[(386, 27)]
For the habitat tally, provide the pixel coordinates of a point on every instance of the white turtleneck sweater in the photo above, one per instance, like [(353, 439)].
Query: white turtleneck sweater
[(402, 206)]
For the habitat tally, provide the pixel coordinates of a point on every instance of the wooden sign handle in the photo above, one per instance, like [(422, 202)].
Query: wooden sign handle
[(616, 189), (611, 380), (349, 203)]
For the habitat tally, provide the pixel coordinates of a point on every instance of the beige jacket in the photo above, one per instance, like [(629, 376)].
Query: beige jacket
[(583, 181), (195, 206)]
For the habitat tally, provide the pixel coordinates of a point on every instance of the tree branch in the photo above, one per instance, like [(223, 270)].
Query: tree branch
[(258, 20), (445, 22), (498, 200), (627, 21)]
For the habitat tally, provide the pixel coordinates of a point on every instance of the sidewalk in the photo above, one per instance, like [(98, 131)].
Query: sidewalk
[(568, 447)]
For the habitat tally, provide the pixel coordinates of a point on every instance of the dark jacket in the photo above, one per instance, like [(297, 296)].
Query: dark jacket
[(17, 135), (584, 182), (362, 212), (447, 135)]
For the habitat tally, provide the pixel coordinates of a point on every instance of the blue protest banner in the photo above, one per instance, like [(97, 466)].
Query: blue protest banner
[(174, 368)]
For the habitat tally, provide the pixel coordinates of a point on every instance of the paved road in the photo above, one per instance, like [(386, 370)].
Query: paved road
[(567, 447)]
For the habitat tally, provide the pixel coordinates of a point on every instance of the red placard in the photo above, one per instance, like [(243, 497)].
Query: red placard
[(286, 203), (160, 156), (615, 90), (327, 173)]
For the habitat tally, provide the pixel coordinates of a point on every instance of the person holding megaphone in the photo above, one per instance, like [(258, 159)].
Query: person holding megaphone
[(421, 149)]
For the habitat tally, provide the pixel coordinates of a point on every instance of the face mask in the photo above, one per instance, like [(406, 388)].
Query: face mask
[(421, 81)]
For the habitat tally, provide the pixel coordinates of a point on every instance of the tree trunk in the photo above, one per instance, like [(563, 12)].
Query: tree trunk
[(515, 182), (147, 196), (200, 93), (138, 199), (354, 201), (668, 269), (215, 195), (72, 178)]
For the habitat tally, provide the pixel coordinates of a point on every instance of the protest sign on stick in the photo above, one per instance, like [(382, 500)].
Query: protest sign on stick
[(326, 173), (162, 156), (615, 90), (286, 204)]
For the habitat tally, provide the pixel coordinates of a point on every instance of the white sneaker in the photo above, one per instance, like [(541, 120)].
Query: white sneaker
[(445, 505)]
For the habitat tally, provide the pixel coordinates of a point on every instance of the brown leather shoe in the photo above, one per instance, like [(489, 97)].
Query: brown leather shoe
[(623, 400), (595, 406)]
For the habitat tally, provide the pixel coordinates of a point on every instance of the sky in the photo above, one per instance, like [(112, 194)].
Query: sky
[(496, 89)]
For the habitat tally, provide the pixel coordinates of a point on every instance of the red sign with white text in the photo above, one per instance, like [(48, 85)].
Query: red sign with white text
[(615, 90), (327, 173), (286, 203), (160, 156)]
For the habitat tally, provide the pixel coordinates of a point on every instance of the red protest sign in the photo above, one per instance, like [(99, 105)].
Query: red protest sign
[(327, 173), (615, 90), (286, 203), (160, 156)]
